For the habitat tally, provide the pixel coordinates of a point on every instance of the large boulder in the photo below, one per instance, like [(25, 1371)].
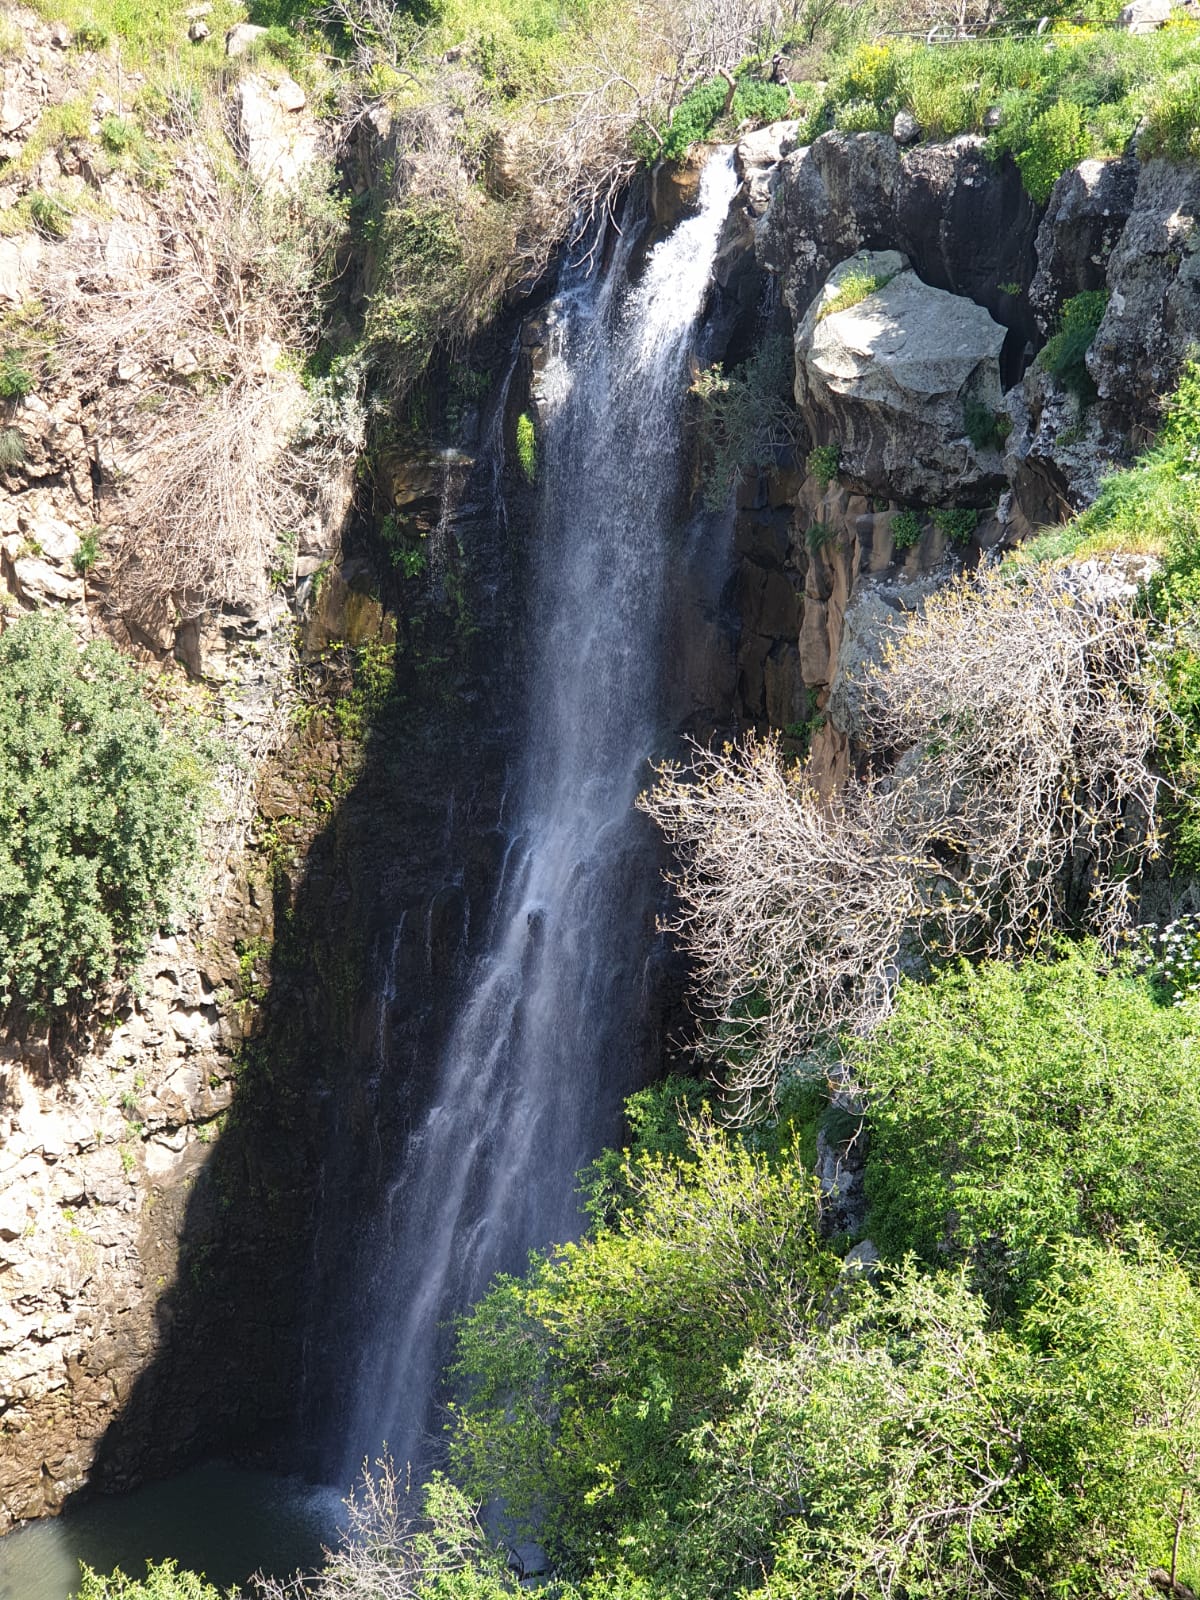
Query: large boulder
[(1153, 312), (888, 379), (1086, 214), (273, 140)]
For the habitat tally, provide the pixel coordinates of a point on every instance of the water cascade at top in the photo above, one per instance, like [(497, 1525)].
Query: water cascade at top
[(539, 1058)]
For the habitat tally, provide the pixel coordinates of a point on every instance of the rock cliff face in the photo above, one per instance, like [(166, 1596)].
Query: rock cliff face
[(919, 283), (106, 1133), (169, 1203)]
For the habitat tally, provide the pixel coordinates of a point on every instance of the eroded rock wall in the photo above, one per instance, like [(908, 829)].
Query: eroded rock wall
[(923, 393)]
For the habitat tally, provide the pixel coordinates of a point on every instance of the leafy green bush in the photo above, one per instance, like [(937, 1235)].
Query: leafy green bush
[(682, 1402), (1065, 353), (1056, 140), (823, 462), (88, 554), (1013, 1108), (1172, 124), (906, 529), (911, 1449), (527, 446), (16, 380), (861, 116), (986, 429), (694, 118), (98, 816), (163, 1581), (116, 134), (586, 1379), (957, 524), (747, 417)]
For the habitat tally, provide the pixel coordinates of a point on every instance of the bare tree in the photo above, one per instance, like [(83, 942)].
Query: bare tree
[(386, 1552), (1023, 801)]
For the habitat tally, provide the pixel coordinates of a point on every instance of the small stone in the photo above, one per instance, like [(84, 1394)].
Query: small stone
[(60, 36), (290, 95), (241, 37), (863, 1258), (905, 128), (1144, 16), (992, 117), (198, 31)]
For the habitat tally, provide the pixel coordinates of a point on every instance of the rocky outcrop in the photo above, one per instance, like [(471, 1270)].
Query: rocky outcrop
[(1153, 311), (275, 142), (1085, 217), (888, 380), (1056, 455), (966, 225)]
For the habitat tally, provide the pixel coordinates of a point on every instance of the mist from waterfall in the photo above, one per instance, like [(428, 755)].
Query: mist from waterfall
[(542, 1053)]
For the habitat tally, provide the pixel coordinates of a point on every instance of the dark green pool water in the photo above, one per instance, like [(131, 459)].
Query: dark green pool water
[(222, 1520)]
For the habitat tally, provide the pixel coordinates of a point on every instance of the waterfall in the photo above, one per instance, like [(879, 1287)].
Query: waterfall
[(545, 1046)]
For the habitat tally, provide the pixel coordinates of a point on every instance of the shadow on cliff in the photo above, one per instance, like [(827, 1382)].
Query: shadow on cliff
[(375, 925), (372, 852)]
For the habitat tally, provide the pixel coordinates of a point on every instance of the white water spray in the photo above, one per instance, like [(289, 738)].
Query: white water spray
[(540, 1057)]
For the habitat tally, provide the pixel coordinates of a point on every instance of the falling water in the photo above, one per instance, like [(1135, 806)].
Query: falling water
[(539, 1058)]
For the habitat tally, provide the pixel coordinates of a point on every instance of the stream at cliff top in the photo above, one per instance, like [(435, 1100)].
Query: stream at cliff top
[(225, 1521), (550, 1034)]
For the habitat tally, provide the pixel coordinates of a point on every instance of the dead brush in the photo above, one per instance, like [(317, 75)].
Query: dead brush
[(178, 358), (1023, 803)]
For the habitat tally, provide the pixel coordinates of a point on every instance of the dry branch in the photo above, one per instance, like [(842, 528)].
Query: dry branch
[(1023, 801)]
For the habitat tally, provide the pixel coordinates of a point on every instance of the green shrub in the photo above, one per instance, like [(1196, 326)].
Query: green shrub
[(587, 1378), (527, 446), (861, 116), (906, 529), (12, 448), (50, 216), (88, 554), (746, 418), (820, 536), (16, 380), (116, 134), (1065, 353), (1025, 1459), (1056, 140), (91, 36), (696, 115), (1172, 124), (823, 463), (755, 101), (163, 1581), (957, 524), (986, 429), (99, 811), (1010, 1108)]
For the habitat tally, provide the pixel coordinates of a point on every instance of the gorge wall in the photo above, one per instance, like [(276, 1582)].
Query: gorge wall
[(179, 1191)]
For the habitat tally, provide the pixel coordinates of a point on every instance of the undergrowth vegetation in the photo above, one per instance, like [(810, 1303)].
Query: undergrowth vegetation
[(99, 810)]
